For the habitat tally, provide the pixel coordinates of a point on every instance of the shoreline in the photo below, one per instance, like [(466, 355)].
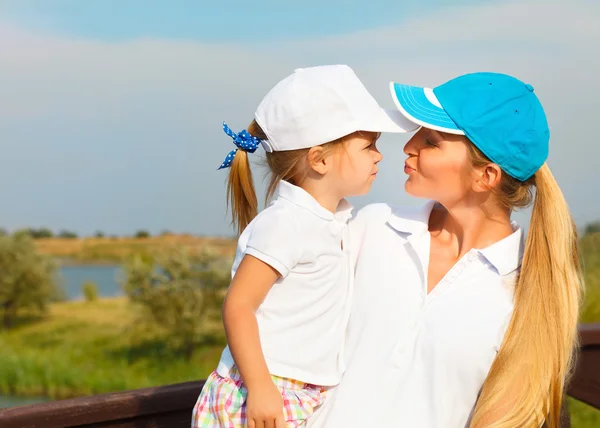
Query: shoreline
[(69, 262)]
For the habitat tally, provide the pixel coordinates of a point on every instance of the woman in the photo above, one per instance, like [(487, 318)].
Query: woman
[(454, 322)]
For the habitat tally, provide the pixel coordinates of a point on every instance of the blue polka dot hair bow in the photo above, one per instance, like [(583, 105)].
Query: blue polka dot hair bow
[(243, 140)]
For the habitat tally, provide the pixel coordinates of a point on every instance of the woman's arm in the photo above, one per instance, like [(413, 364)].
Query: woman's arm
[(251, 283)]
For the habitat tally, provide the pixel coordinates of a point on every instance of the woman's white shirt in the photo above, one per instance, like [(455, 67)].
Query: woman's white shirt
[(415, 359)]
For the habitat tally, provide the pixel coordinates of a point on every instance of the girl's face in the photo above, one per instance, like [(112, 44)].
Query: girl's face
[(438, 167), (355, 166)]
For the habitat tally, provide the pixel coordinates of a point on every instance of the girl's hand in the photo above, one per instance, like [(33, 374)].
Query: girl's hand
[(264, 407)]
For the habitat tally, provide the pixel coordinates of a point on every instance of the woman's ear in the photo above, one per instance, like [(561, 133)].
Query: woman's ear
[(489, 178), (317, 160)]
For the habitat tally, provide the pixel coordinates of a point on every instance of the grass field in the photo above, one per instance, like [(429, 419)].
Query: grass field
[(90, 348)]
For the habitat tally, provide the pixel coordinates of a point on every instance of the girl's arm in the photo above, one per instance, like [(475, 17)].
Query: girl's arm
[(251, 283)]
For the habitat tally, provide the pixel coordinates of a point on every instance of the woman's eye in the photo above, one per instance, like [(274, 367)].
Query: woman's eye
[(429, 143)]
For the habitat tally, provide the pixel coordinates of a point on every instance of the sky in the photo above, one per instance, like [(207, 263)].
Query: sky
[(111, 111)]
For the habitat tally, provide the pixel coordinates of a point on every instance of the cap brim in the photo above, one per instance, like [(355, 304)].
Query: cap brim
[(389, 121), (419, 105)]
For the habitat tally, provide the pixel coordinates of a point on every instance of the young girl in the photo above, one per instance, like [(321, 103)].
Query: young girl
[(286, 310)]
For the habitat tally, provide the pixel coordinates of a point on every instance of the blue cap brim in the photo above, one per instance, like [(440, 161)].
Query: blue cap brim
[(414, 104)]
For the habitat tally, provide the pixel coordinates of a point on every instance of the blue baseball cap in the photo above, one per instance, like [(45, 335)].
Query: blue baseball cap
[(498, 113)]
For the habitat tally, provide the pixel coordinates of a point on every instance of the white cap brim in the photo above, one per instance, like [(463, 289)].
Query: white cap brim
[(421, 106), (389, 121)]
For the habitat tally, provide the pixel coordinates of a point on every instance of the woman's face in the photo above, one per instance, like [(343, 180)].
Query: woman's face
[(438, 167)]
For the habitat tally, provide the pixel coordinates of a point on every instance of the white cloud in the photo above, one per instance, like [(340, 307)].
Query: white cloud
[(137, 123), (529, 21)]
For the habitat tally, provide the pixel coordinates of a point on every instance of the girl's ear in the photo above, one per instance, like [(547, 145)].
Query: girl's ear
[(317, 160)]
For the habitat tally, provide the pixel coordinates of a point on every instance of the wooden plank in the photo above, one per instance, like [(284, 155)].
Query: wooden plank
[(105, 408), (589, 334)]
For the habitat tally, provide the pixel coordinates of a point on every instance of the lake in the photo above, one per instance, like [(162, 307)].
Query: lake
[(106, 277), (8, 401)]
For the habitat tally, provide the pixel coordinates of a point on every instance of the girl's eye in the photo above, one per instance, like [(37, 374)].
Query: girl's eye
[(429, 143)]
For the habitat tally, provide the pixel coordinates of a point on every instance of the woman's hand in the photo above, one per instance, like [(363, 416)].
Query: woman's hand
[(264, 407)]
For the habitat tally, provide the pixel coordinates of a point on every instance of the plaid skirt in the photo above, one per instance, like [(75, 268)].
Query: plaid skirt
[(222, 402)]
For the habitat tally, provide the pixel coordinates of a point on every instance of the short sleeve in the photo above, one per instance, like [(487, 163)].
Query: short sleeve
[(275, 239)]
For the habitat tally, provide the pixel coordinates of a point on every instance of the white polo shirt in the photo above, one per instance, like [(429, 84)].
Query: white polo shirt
[(418, 360), (302, 321)]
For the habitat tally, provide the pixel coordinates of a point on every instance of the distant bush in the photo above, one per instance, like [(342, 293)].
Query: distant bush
[(27, 280), (67, 234), (90, 291), (592, 228), (20, 233), (142, 234), (34, 233), (99, 234), (42, 232), (177, 291)]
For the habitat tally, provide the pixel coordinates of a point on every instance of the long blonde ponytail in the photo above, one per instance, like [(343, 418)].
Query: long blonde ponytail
[(526, 383)]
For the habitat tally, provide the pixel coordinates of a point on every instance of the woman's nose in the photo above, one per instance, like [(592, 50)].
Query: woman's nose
[(411, 147)]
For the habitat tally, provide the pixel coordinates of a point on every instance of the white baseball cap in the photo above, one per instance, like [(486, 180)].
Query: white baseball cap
[(316, 105)]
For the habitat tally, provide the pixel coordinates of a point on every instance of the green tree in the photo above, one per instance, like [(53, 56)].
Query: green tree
[(592, 228), (27, 279), (99, 234), (142, 234), (42, 232), (90, 291), (20, 233), (177, 291), (67, 234)]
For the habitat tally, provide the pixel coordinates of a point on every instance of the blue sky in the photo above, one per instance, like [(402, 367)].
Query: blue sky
[(214, 21), (111, 111)]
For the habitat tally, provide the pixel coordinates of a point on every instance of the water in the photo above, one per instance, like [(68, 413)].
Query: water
[(8, 401), (105, 277)]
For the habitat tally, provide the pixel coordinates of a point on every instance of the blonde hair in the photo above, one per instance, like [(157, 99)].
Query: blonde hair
[(282, 165), (526, 383)]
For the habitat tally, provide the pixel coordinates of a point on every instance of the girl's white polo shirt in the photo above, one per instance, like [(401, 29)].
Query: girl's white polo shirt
[(303, 319), (416, 359)]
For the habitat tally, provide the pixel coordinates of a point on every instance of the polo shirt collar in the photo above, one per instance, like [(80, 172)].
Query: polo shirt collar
[(411, 220), (300, 197), (505, 255)]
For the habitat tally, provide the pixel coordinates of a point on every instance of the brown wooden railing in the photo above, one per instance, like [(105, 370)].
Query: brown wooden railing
[(171, 406)]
